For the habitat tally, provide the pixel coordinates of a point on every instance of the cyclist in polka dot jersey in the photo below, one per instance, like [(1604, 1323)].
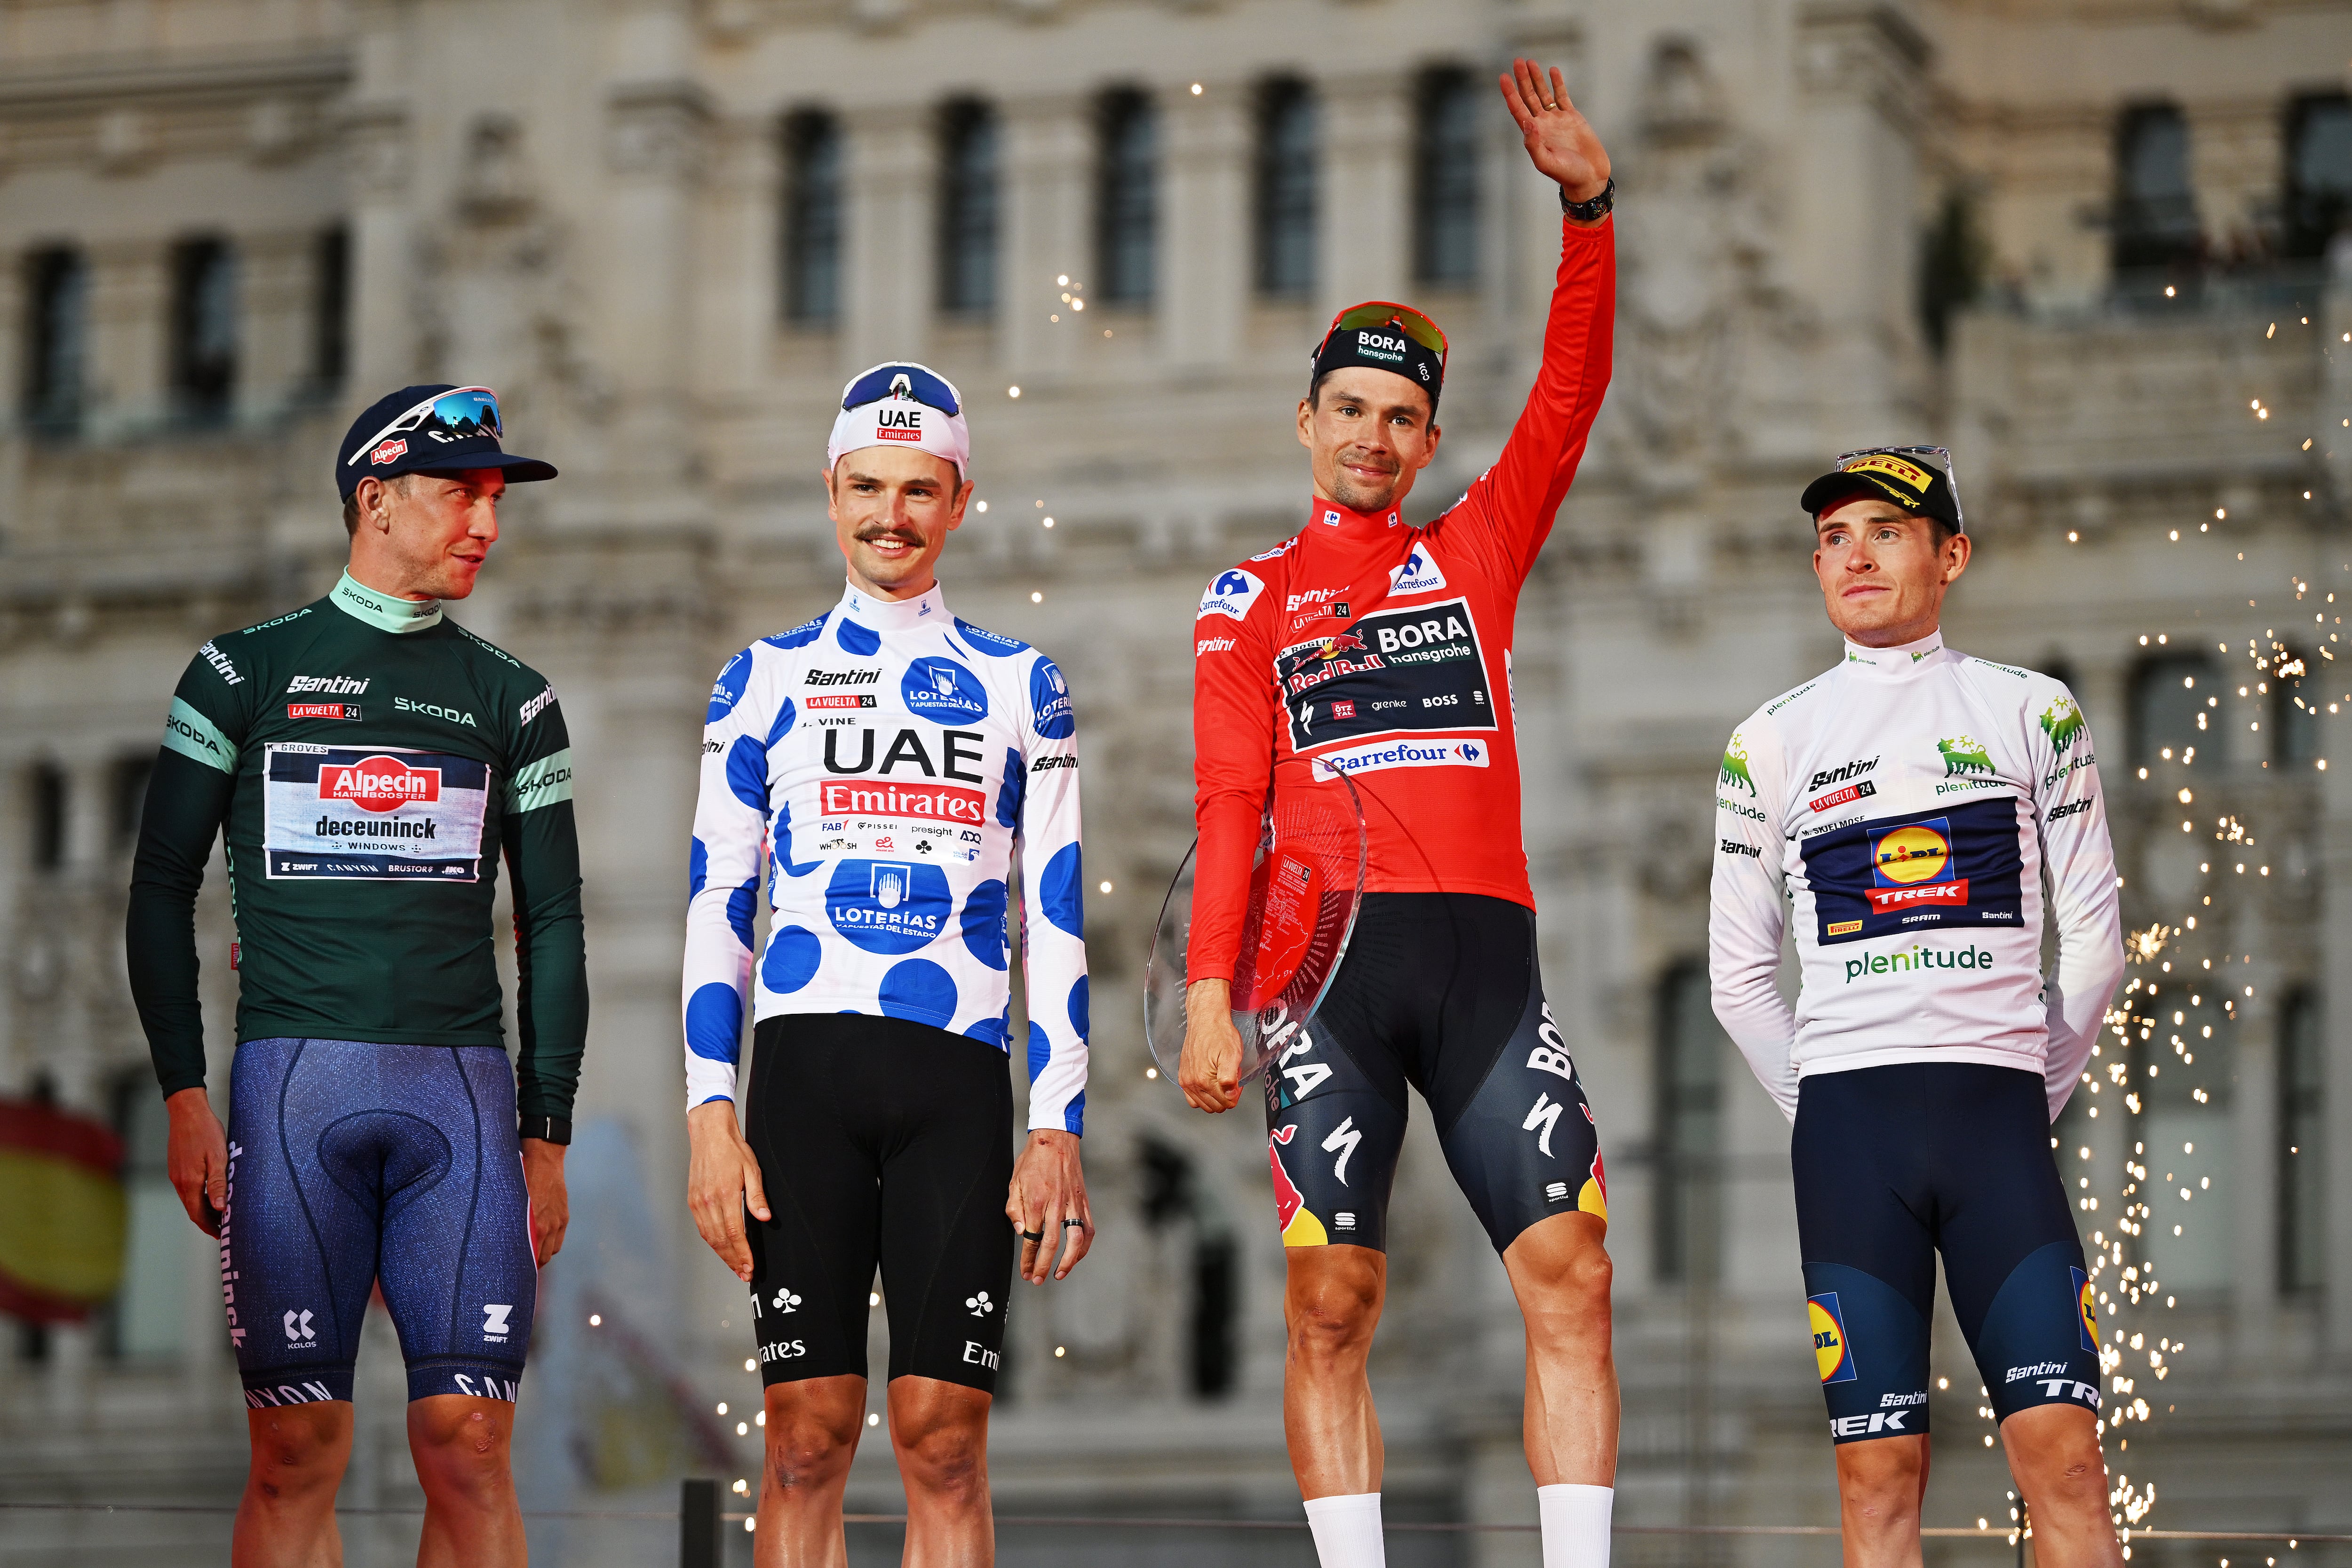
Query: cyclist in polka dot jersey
[(878, 767)]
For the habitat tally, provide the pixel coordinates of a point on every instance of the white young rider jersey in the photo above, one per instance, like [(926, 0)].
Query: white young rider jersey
[(1903, 810), (886, 759)]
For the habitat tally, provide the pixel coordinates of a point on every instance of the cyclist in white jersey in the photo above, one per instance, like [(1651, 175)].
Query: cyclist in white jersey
[(887, 761), (1905, 810)]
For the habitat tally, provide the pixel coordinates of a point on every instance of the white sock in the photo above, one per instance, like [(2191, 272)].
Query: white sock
[(1575, 1525), (1347, 1531)]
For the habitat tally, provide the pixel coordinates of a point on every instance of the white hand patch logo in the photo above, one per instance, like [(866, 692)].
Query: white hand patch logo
[(890, 885), (980, 1304)]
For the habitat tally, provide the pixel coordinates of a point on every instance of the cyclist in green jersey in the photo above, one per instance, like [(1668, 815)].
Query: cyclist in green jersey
[(370, 762)]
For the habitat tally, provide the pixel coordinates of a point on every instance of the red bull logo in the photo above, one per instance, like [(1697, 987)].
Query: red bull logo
[(1299, 1225), (1339, 643)]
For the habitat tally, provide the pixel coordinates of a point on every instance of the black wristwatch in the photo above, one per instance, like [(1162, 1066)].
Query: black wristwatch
[(1594, 210)]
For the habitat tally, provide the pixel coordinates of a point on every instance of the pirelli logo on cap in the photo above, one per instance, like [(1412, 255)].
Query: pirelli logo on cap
[(1909, 474)]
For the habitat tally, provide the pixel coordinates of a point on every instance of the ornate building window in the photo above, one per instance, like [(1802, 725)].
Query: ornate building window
[(2155, 213), (1126, 206), (2302, 1164), (204, 330), (813, 219), (1286, 193), (1689, 1121), (2317, 202), (44, 785), (56, 334), (1446, 179), (331, 310), (967, 209), (2169, 707)]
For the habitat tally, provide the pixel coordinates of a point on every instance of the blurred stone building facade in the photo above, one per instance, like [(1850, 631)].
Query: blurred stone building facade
[(2083, 242)]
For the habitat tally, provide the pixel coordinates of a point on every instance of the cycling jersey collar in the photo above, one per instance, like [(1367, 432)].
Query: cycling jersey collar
[(927, 608), (1349, 521), (382, 611), (1895, 663)]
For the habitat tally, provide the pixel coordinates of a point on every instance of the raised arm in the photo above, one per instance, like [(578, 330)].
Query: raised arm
[(542, 855), (2080, 863), (1746, 915), (1514, 502)]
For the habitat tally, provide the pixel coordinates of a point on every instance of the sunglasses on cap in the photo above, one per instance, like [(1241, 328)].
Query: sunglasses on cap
[(1942, 456), (908, 380), (463, 414), (1381, 313)]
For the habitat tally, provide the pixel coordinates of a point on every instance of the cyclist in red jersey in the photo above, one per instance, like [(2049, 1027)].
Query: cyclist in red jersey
[(1384, 650)]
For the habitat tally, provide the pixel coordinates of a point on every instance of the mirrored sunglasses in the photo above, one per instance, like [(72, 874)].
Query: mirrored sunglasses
[(464, 414), (908, 380)]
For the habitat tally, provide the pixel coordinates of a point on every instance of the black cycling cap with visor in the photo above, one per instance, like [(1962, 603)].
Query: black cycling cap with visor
[(430, 429), (1383, 336), (1917, 478)]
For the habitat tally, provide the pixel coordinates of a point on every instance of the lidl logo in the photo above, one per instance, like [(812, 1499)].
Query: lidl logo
[(2086, 1309), (1832, 1353), (1912, 865)]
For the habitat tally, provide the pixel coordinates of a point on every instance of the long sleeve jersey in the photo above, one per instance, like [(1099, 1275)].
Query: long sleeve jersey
[(1385, 652), (370, 762), (1903, 809), (886, 760)]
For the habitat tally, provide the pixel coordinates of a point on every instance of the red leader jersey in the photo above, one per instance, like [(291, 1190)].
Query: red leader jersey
[(1385, 651)]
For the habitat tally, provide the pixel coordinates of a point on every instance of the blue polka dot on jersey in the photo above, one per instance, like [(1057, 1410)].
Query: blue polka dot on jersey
[(990, 1030), (741, 904), (793, 957), (728, 689), (782, 726), (800, 636), (714, 1022), (984, 924), (994, 645), (747, 773), (698, 866), (1078, 1006), (918, 989), (1059, 893), (857, 639), (1041, 1050)]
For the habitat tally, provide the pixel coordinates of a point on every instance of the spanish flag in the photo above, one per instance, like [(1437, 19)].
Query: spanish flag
[(62, 1217)]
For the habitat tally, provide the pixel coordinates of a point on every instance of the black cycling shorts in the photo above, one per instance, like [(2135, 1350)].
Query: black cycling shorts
[(1896, 1163), (354, 1164), (1439, 991), (887, 1143)]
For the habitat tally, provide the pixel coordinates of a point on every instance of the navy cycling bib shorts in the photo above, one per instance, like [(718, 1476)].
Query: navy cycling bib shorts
[(882, 1144), (1439, 991), (1896, 1163), (354, 1164)]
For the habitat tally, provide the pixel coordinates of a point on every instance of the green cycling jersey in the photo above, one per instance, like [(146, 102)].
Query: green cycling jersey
[(370, 762)]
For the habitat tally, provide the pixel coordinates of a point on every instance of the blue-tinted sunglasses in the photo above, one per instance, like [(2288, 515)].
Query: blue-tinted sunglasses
[(908, 381), (464, 413)]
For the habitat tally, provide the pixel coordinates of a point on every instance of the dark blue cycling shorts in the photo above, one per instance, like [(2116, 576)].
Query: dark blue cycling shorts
[(351, 1163), (1896, 1163)]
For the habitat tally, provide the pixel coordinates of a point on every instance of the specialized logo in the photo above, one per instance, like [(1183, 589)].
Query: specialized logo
[(299, 1330), (943, 691), (1912, 865), (1418, 574), (1963, 756), (1542, 1118), (1735, 774), (1233, 592), (1300, 1226), (1833, 1355), (387, 451), (326, 685), (380, 784), (2062, 722), (888, 906), (495, 1328), (2086, 1309), (1343, 1143)]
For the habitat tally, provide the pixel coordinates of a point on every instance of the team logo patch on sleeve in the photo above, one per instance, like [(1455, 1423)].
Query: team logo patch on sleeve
[(1231, 594)]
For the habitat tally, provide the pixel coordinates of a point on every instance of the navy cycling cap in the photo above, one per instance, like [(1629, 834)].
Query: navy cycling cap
[(432, 428), (1917, 478)]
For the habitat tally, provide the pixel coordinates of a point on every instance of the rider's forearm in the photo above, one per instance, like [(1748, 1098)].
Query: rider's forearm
[(186, 803)]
